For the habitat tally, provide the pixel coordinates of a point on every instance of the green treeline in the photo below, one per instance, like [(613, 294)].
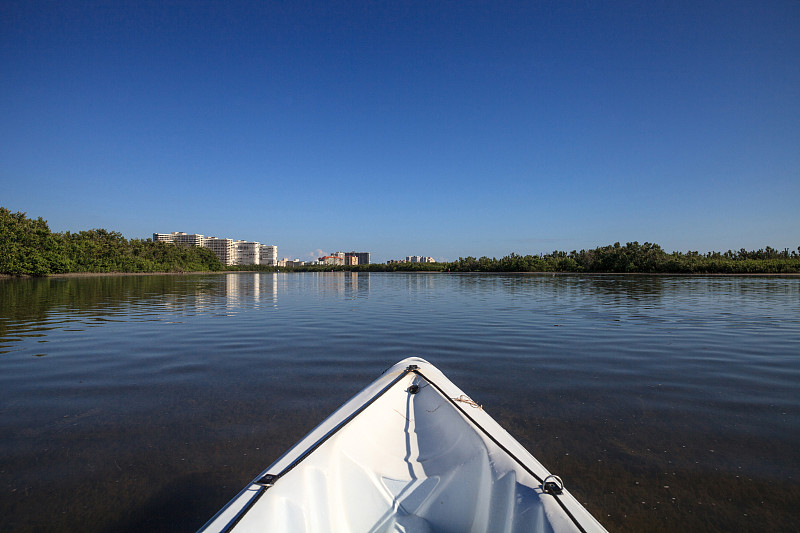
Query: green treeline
[(630, 258), (639, 258), (28, 247)]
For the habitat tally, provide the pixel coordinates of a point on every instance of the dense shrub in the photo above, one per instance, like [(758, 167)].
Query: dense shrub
[(635, 257), (29, 247)]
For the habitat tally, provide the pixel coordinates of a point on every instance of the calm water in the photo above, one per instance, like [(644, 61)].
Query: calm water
[(147, 402)]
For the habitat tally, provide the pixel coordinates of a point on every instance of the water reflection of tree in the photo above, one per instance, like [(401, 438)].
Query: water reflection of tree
[(567, 286), (30, 304)]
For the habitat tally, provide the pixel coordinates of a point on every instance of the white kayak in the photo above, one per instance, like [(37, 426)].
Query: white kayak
[(410, 452)]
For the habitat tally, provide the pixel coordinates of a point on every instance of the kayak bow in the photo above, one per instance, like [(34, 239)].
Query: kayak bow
[(410, 452)]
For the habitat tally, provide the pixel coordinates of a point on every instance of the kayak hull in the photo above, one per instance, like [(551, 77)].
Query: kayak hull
[(410, 452)]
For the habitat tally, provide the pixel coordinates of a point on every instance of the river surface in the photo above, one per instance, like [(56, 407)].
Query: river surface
[(132, 403)]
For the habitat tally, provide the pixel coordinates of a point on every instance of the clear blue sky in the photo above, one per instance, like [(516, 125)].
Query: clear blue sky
[(432, 128)]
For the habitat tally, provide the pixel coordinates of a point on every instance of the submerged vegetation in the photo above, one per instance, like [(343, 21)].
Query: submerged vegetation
[(28, 247)]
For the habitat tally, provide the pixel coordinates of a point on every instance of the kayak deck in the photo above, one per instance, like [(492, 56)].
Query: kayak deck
[(411, 452)]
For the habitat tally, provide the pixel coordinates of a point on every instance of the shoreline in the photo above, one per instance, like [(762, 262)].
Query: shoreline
[(226, 272), (109, 274)]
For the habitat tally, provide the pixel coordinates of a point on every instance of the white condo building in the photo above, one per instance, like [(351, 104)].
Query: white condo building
[(179, 237), (229, 251), (419, 259), (268, 254), (225, 249), (246, 253)]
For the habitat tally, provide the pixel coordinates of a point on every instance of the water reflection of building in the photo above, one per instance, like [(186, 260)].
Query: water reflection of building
[(351, 284), (243, 289), (356, 283), (235, 290), (420, 281)]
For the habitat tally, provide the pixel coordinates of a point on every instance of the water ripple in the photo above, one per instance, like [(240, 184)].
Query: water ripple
[(588, 370)]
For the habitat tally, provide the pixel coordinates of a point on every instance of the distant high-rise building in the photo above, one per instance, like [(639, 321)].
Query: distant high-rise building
[(286, 262), (331, 260), (246, 253), (191, 239), (419, 259), (362, 258), (268, 254), (225, 249), (179, 237), (295, 263), (229, 251)]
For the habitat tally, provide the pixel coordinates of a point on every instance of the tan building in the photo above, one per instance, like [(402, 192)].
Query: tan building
[(225, 249), (362, 258)]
